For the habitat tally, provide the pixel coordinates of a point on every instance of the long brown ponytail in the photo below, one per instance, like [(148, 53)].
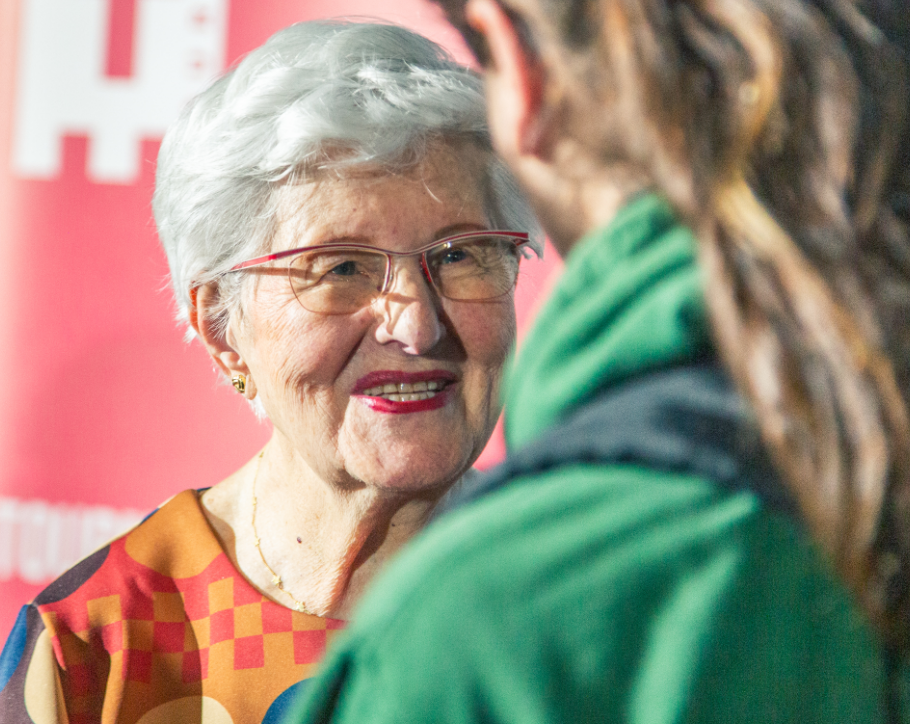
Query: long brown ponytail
[(779, 130), (805, 276)]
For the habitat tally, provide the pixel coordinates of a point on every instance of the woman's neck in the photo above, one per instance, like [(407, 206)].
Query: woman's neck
[(325, 540)]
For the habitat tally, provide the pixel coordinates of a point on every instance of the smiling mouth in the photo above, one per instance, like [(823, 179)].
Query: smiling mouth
[(407, 391)]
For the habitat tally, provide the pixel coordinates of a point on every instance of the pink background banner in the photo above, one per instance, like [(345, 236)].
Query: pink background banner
[(105, 410)]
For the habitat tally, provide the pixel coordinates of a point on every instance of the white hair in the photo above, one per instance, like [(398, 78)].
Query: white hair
[(379, 92)]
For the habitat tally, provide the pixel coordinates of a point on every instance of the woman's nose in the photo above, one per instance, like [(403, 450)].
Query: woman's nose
[(409, 313)]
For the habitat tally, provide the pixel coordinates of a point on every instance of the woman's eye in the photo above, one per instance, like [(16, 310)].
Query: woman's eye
[(345, 269), (452, 256)]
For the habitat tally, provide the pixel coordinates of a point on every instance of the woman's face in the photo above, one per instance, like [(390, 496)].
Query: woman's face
[(319, 376)]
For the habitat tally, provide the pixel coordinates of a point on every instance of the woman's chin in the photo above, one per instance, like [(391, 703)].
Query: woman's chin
[(412, 471), (411, 450)]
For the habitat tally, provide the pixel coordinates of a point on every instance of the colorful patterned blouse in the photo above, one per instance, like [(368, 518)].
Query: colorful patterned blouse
[(157, 627)]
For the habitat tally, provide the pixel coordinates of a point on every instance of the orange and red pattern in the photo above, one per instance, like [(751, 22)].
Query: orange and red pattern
[(159, 626)]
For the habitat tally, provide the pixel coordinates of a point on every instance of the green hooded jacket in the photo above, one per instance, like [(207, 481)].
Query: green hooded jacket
[(606, 593)]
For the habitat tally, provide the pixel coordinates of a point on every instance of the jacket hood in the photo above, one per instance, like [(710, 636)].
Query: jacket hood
[(629, 300)]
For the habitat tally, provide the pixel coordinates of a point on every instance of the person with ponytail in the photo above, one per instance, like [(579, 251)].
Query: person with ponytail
[(705, 512)]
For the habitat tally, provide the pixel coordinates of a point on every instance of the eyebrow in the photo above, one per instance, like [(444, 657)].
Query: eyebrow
[(449, 230), (453, 229)]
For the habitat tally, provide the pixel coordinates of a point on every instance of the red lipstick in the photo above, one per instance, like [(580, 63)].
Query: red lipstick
[(439, 385)]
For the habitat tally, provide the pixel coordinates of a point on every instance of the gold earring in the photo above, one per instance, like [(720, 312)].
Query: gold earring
[(239, 382)]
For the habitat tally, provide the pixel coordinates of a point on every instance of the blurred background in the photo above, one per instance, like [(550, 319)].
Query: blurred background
[(104, 410)]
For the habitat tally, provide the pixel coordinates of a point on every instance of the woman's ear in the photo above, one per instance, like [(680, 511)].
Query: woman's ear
[(521, 123), (204, 304)]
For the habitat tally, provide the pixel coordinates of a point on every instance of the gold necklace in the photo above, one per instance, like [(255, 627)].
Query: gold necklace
[(276, 579)]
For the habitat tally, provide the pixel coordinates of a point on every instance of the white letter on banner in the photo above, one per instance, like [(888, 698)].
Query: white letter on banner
[(32, 541), (62, 88), (8, 508), (40, 540)]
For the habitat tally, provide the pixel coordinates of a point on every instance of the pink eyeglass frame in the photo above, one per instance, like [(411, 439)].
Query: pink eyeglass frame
[(521, 239)]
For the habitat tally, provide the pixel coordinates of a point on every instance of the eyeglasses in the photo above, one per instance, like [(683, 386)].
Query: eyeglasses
[(342, 278)]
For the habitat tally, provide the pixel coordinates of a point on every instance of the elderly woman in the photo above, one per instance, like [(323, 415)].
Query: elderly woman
[(705, 512), (343, 243)]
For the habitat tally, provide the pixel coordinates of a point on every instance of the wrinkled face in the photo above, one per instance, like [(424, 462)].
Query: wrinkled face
[(326, 380)]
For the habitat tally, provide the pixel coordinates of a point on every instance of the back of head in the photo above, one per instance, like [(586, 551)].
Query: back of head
[(316, 96), (779, 130)]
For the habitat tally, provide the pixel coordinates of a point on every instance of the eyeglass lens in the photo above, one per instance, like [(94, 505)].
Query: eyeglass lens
[(474, 269), (340, 281)]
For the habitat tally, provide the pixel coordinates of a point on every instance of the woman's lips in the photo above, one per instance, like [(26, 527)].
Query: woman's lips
[(398, 392)]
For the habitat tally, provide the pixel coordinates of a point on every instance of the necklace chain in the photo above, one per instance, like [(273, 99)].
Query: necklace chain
[(276, 579)]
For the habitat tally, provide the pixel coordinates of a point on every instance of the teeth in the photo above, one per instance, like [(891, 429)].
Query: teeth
[(413, 397), (406, 391), (413, 393), (406, 388)]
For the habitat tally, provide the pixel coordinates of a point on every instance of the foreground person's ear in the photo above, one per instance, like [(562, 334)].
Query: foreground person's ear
[(219, 343), (520, 120)]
